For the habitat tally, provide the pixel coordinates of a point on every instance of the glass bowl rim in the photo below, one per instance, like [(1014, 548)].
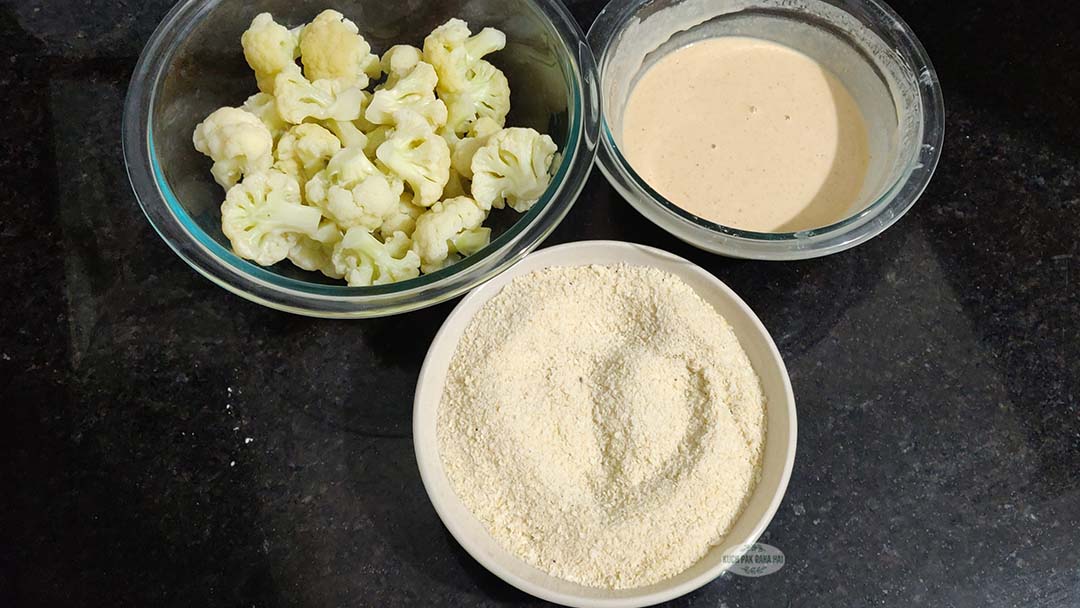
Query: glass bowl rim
[(219, 264), (900, 195)]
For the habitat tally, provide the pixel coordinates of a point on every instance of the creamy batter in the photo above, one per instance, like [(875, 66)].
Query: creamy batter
[(749, 134)]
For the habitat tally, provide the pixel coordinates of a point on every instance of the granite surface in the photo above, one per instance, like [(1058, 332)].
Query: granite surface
[(169, 444)]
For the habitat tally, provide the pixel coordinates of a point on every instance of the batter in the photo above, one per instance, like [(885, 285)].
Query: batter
[(749, 134)]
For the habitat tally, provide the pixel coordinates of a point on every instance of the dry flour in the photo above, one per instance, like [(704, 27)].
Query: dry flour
[(603, 423)]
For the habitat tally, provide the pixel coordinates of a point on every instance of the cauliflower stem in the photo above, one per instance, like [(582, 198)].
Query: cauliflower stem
[(262, 217), (364, 260)]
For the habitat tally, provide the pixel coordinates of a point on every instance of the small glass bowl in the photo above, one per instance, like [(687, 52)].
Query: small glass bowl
[(863, 42), (194, 64)]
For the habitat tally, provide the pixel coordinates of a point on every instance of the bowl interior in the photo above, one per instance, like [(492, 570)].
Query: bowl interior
[(206, 70), (779, 446), (862, 43)]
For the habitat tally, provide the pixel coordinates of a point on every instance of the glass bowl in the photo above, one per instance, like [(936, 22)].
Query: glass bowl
[(863, 42), (194, 64)]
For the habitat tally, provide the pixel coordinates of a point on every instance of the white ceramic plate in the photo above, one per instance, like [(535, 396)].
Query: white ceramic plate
[(779, 445)]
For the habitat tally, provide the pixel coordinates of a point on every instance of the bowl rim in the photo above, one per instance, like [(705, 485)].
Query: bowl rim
[(219, 264), (425, 415), (885, 210)]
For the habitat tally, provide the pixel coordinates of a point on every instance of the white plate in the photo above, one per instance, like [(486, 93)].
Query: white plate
[(779, 445)]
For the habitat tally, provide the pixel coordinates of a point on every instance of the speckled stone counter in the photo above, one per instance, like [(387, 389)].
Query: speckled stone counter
[(169, 444)]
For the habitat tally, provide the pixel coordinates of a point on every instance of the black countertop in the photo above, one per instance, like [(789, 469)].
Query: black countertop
[(170, 444)]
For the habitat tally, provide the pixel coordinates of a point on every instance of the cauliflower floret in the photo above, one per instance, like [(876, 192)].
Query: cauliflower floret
[(313, 252), (364, 260), (463, 245), (347, 132), (512, 166), (461, 153), (299, 99), (398, 61), (376, 137), (348, 183), (452, 51), (353, 191), (398, 244), (237, 141), (456, 185), (367, 204), (263, 218), (347, 168), (263, 106), (362, 123), (415, 92), (485, 94), (439, 225), (462, 150), (304, 151), (331, 47), (269, 47), (403, 219), (419, 156), (471, 241)]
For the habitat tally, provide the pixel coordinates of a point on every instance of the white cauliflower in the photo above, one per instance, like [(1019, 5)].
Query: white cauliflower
[(299, 99), (398, 244), (364, 260), (304, 150), (348, 183), (512, 167), (347, 132), (331, 47), (346, 169), (362, 123), (263, 217), (313, 252), (403, 219), (367, 204), (471, 241), (375, 138), (462, 150), (453, 51), (414, 92), (485, 94), (419, 156), (264, 106), (353, 191), (440, 225), (237, 141), (455, 185), (269, 47), (398, 61)]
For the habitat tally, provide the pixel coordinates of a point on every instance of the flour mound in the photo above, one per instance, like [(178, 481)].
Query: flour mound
[(603, 423)]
